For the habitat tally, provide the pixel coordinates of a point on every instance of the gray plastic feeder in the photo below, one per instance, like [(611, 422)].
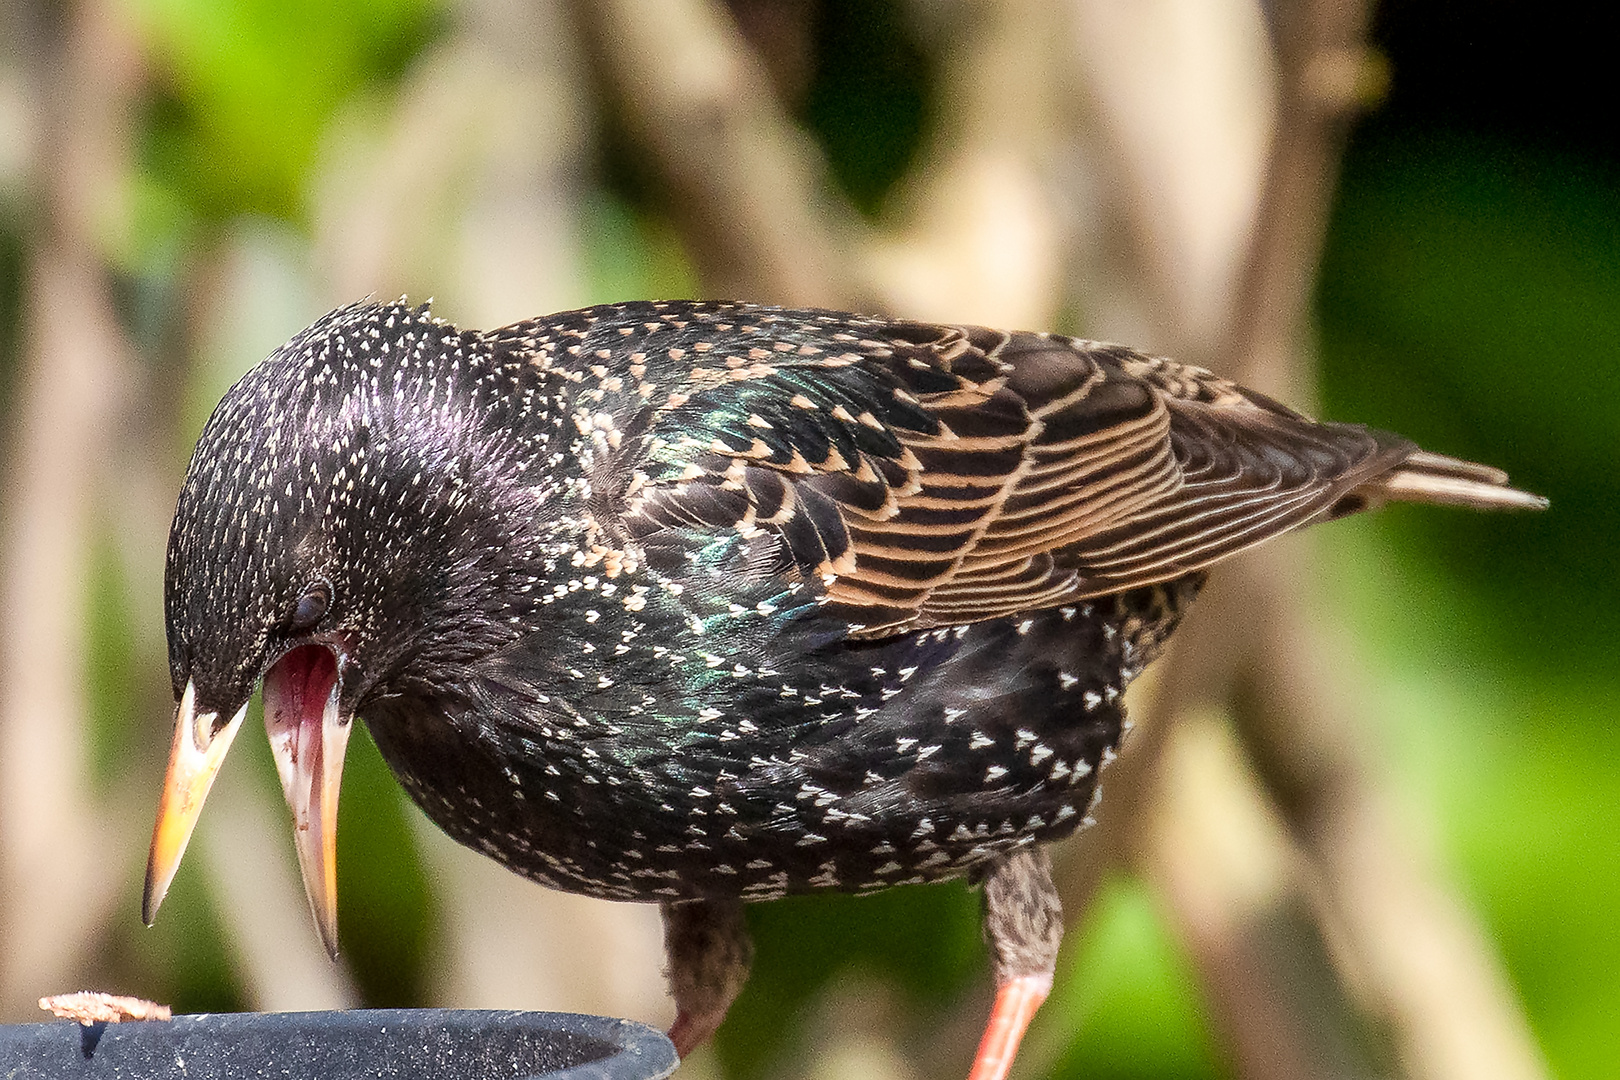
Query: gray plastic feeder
[(391, 1044)]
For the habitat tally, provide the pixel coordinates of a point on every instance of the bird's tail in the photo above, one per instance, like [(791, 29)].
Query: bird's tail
[(1435, 478)]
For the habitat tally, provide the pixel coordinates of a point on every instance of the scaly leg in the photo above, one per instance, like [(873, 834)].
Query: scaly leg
[(1023, 925), (709, 954)]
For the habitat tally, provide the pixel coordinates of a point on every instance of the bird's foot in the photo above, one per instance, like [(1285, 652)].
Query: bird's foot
[(1016, 1002)]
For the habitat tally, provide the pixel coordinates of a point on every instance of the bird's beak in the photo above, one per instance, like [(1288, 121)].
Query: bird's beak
[(308, 735), (194, 760)]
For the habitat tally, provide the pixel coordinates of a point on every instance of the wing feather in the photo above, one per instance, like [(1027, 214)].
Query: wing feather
[(934, 475)]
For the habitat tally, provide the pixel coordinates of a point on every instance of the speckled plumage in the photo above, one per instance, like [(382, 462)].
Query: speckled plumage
[(667, 601)]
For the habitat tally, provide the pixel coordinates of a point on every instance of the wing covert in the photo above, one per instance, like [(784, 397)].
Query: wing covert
[(936, 475)]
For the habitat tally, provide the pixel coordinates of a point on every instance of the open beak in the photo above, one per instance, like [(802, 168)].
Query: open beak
[(308, 736), (194, 760)]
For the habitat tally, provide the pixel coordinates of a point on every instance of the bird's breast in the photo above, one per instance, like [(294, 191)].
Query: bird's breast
[(851, 766)]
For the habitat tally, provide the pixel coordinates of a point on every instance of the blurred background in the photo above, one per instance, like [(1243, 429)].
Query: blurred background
[(1367, 825)]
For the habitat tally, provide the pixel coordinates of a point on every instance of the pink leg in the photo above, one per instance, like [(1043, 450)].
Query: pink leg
[(1023, 924), (689, 1033), (709, 955), (1016, 1002)]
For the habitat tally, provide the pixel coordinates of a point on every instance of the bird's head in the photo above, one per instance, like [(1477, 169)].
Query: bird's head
[(343, 527)]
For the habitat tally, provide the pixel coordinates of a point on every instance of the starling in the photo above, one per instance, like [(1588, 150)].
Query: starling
[(706, 603)]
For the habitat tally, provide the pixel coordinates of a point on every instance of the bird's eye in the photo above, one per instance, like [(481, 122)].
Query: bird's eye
[(311, 607)]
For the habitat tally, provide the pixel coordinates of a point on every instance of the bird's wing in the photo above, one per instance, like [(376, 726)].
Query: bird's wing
[(936, 475)]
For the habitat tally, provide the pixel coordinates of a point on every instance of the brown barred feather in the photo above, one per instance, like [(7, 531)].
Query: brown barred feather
[(939, 475)]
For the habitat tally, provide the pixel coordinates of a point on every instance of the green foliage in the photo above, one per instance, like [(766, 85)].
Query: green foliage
[(926, 939), (249, 88), (631, 256), (387, 917), (870, 97), (1519, 772), (1126, 998), (181, 960), (1471, 298), (110, 663), (12, 264)]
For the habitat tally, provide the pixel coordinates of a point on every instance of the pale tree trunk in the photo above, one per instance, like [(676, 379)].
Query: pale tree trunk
[(61, 855)]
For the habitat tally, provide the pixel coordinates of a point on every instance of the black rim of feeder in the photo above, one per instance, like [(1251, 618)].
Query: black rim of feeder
[(399, 1044)]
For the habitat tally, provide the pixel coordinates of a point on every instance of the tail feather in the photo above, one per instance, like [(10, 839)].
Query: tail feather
[(1427, 477)]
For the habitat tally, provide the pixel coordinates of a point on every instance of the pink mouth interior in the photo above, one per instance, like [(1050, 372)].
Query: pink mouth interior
[(296, 689), (308, 735)]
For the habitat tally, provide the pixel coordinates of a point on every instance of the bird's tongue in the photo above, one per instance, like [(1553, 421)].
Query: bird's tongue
[(308, 735)]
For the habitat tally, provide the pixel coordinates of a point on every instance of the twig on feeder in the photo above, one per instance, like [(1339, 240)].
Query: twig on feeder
[(94, 1007)]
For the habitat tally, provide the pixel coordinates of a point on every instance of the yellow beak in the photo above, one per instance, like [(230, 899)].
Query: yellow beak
[(308, 736), (194, 761)]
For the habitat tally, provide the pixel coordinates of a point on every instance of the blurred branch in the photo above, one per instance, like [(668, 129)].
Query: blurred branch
[(61, 850), (1325, 74), (1404, 948), (750, 191), (1180, 102), (980, 239), (1218, 854), (1419, 958), (1424, 964), (468, 191)]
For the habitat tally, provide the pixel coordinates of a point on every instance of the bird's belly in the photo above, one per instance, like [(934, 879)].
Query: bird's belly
[(897, 778), (749, 837), (925, 787)]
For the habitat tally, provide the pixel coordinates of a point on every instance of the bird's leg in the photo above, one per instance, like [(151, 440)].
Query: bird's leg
[(1023, 925), (709, 953)]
